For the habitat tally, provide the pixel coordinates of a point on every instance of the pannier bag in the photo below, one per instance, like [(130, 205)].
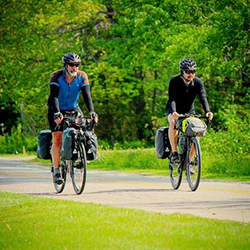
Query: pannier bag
[(162, 144), (68, 150), (44, 143), (91, 147), (193, 126)]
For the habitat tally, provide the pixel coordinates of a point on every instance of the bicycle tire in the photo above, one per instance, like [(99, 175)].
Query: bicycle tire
[(175, 173), (63, 171), (194, 169), (79, 170)]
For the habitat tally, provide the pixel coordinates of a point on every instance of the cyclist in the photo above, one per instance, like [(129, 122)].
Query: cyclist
[(183, 90), (65, 87)]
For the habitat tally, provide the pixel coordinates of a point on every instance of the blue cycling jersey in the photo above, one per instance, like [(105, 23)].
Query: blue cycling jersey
[(68, 94)]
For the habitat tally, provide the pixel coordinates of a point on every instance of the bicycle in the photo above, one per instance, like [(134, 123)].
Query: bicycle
[(189, 150), (77, 166)]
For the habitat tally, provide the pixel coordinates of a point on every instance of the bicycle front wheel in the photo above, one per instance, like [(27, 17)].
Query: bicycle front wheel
[(79, 170), (175, 173), (193, 164), (63, 171)]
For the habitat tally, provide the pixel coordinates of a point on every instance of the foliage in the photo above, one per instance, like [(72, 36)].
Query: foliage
[(233, 142), (230, 150), (130, 50), (17, 143)]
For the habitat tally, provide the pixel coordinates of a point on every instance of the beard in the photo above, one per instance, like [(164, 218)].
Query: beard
[(72, 73), (189, 78)]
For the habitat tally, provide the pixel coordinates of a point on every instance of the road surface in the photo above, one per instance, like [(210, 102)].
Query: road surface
[(213, 199)]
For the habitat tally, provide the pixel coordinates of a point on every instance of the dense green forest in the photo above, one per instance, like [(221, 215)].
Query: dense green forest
[(130, 51)]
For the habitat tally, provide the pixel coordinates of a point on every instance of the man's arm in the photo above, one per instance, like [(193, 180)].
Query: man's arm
[(54, 91), (172, 95), (203, 97), (86, 92)]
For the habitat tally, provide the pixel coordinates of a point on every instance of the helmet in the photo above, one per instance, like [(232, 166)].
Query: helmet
[(187, 64), (71, 58)]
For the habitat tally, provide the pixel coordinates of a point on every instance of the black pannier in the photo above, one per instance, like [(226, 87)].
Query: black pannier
[(162, 144), (44, 143), (91, 145), (68, 151)]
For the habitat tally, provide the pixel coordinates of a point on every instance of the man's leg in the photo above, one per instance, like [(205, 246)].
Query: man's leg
[(192, 155), (192, 152), (55, 154), (172, 135), (56, 147)]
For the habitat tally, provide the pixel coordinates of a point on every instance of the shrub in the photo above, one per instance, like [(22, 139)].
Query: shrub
[(17, 142)]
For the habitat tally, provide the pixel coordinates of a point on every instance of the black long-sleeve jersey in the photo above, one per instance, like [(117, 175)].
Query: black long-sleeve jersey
[(181, 96)]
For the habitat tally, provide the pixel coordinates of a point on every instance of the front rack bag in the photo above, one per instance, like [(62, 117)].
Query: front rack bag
[(193, 126)]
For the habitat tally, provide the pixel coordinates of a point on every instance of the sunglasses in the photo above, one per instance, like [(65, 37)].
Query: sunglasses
[(189, 71), (74, 65)]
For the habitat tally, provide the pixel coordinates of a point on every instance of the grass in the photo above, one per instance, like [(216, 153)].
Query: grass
[(145, 161), (28, 222)]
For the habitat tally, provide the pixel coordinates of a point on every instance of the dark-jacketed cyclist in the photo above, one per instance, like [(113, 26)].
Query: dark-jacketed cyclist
[(183, 89)]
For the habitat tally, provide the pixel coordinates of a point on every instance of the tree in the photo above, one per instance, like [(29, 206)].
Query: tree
[(131, 49)]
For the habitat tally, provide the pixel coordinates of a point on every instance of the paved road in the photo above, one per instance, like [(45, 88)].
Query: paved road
[(213, 199)]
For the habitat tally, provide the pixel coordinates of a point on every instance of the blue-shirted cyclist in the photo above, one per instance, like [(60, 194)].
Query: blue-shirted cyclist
[(65, 87)]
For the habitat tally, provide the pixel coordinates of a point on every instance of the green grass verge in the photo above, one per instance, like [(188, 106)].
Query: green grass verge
[(28, 222), (214, 166), (220, 166), (145, 160)]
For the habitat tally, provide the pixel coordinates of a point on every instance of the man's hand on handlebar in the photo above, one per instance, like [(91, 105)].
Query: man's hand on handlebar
[(209, 115), (58, 117), (93, 116)]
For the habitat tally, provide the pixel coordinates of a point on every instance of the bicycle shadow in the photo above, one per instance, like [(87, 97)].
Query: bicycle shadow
[(114, 191)]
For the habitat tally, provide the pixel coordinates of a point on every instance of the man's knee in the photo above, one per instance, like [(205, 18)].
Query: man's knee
[(57, 139)]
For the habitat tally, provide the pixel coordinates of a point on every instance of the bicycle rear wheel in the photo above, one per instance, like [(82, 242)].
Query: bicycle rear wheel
[(63, 171), (193, 165), (79, 170), (175, 172)]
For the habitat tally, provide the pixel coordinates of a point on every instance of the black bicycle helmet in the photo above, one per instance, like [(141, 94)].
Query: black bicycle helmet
[(71, 58), (187, 64)]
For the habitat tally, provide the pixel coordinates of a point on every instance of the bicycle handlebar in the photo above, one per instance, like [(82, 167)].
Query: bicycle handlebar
[(84, 122), (73, 119)]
